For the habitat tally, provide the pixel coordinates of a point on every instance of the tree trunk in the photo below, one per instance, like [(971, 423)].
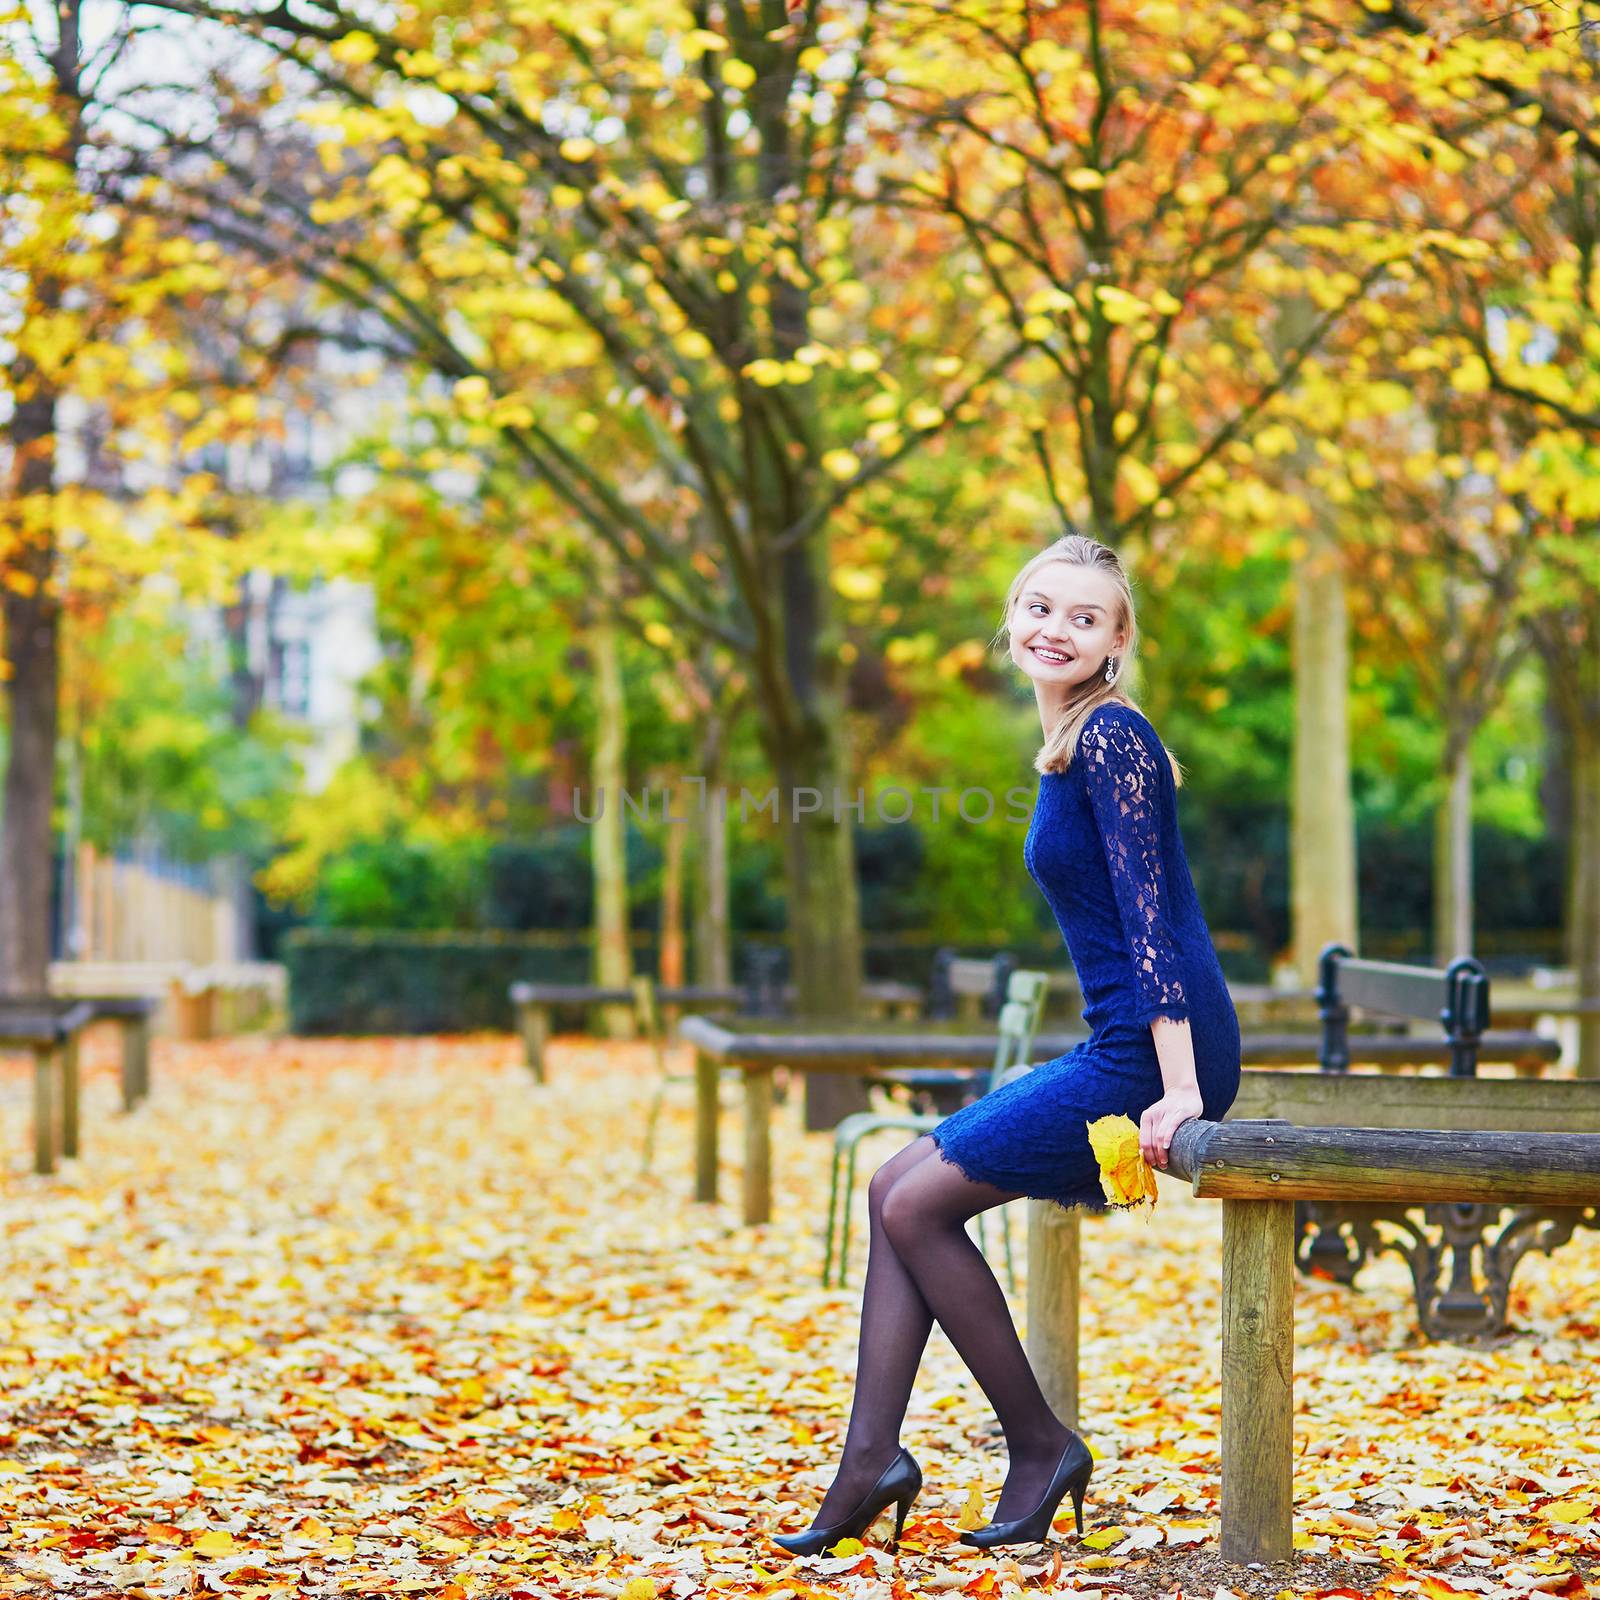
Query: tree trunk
[(1583, 867), (815, 815), (670, 963), (824, 909), (32, 620), (613, 959), (1323, 836), (712, 958), (1569, 641), (30, 610), (1452, 853)]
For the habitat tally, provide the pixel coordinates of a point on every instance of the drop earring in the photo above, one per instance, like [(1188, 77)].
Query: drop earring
[(1111, 670)]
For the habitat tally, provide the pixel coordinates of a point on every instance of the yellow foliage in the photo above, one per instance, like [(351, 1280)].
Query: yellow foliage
[(857, 583), (355, 49), (972, 1512)]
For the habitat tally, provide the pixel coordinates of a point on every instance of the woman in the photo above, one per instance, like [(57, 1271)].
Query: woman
[(1103, 845)]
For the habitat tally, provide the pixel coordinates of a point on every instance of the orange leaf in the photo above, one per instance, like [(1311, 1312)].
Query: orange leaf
[(456, 1522)]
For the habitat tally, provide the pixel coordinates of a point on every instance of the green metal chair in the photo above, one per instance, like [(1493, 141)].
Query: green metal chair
[(1018, 1021)]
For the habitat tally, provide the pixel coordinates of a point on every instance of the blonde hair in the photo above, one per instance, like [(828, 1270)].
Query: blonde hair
[(1061, 742)]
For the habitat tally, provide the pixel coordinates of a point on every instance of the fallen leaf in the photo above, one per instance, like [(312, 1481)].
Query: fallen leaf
[(972, 1513)]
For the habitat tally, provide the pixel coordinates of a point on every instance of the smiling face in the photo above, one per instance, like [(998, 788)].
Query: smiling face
[(1065, 623)]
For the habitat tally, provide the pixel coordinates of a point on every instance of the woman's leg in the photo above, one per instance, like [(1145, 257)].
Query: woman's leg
[(924, 1217), (895, 1322)]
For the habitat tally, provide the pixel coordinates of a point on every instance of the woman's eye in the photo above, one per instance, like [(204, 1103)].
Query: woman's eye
[(1085, 618)]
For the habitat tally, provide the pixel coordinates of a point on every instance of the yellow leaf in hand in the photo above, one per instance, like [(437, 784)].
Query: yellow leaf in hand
[(1125, 1176), (972, 1513)]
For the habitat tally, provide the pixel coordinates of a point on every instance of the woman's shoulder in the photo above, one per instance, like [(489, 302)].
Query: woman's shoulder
[(1117, 726)]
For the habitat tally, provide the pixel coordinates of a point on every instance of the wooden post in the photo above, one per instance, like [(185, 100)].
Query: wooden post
[(757, 1144), (1053, 1262), (533, 1022), (706, 1077), (135, 1072), (44, 1110), (130, 1063), (70, 1097), (206, 1010), (1257, 1380)]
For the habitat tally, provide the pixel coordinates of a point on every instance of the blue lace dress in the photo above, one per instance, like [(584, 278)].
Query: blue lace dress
[(1103, 845)]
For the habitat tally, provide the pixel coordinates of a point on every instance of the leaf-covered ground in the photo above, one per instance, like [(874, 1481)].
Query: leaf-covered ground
[(362, 1317)]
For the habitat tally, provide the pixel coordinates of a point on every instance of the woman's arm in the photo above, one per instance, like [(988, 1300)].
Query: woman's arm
[(1121, 776), (1175, 1050)]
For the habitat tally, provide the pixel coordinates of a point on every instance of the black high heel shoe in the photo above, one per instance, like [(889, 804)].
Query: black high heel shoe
[(899, 1486), (1072, 1472)]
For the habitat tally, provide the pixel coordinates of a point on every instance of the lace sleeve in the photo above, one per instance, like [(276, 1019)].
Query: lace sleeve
[(1122, 778)]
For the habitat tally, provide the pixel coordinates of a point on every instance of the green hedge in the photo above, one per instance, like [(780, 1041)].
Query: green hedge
[(353, 980)]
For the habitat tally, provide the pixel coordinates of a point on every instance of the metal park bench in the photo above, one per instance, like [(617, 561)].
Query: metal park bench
[(1334, 1241), (1259, 1170)]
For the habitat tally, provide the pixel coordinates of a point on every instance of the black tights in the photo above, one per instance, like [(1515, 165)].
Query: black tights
[(922, 1267)]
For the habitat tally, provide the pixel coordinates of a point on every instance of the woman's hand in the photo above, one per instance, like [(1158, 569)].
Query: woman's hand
[(1160, 1122)]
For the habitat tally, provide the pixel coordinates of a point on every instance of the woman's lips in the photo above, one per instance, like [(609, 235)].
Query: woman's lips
[(1054, 658)]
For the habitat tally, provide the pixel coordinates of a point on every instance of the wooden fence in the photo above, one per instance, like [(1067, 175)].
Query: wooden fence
[(127, 911)]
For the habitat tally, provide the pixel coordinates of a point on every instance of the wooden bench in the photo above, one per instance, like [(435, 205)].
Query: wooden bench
[(1461, 1277), (535, 1003), (134, 1016), (50, 1031), (759, 1047), (1259, 1169), (192, 1001), (766, 993)]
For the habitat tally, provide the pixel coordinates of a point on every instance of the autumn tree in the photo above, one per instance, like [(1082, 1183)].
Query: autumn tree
[(1176, 208), (137, 362), (639, 221)]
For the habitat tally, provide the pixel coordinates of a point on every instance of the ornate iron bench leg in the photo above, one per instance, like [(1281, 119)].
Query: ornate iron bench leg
[(1465, 1301)]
